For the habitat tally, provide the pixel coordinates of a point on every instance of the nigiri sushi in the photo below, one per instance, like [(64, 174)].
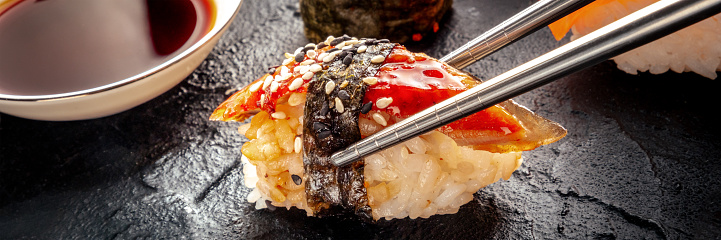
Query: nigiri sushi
[(328, 95), (696, 48)]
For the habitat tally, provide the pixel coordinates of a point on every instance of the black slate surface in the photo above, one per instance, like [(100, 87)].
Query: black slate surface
[(641, 159)]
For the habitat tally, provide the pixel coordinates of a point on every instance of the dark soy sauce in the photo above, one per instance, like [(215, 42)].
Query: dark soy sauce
[(60, 46)]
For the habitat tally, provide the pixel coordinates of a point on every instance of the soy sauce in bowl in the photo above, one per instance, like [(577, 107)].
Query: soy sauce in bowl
[(60, 46)]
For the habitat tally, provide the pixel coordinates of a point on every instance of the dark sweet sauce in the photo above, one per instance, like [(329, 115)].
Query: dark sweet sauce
[(60, 46)]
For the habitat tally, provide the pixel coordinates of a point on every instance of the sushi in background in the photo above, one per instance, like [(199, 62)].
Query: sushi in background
[(696, 48)]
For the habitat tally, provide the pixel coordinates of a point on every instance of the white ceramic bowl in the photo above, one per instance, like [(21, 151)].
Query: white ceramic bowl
[(126, 93)]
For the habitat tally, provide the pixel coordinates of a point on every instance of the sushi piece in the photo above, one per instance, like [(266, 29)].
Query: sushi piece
[(692, 49), (326, 96)]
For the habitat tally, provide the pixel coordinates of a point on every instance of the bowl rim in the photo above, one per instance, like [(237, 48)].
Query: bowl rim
[(218, 25)]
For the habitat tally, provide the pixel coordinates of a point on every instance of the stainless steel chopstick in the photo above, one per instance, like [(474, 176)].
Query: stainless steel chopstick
[(535, 17), (634, 30)]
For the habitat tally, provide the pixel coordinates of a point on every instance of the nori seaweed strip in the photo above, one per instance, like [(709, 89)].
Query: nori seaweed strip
[(329, 188)]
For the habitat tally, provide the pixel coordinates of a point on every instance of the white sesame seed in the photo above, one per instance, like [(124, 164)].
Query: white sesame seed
[(297, 50), (309, 45), (383, 102), (339, 105), (295, 84), (262, 99), (284, 70), (347, 47), (255, 86), (329, 86), (308, 75), (282, 77), (379, 119), (315, 68), (267, 81), (344, 84), (329, 39), (302, 69), (362, 48), (297, 145), (274, 86), (351, 42), (340, 45), (288, 55), (370, 80), (278, 115), (330, 57), (378, 59), (307, 62), (322, 56), (296, 99), (311, 53), (287, 61)]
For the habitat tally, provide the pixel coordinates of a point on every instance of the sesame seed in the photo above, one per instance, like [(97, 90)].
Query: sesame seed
[(343, 94), (346, 47), (311, 53), (262, 99), (267, 81), (321, 45), (324, 109), (336, 41), (322, 55), (274, 86), (362, 48), (278, 115), (379, 119), (302, 69), (287, 61), (339, 105), (307, 62), (299, 56), (315, 68), (319, 126), (348, 60), (282, 77), (308, 48), (255, 86), (310, 45), (324, 134), (340, 45), (329, 58), (332, 50), (307, 75), (295, 84), (367, 107), (296, 99), (344, 84), (329, 86), (378, 59), (297, 50), (296, 179), (384, 41), (288, 55), (383, 102), (370, 80), (328, 40)]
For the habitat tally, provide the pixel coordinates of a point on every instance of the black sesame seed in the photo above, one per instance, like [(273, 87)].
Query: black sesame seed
[(357, 45), (300, 56), (343, 54), (319, 126), (343, 94), (324, 134), (371, 42), (269, 205), (324, 109), (320, 45), (367, 107), (306, 49), (332, 50), (348, 59), (384, 41), (337, 41), (296, 179)]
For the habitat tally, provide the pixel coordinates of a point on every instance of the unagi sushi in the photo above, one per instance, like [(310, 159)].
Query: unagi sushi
[(692, 49), (328, 95)]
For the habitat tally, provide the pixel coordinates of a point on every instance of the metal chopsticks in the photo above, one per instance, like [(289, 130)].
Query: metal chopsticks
[(535, 17), (634, 30)]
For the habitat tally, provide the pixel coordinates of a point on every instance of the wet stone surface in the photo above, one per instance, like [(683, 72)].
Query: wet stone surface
[(641, 159)]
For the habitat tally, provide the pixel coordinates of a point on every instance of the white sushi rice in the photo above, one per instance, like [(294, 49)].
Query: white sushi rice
[(696, 48), (421, 177)]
